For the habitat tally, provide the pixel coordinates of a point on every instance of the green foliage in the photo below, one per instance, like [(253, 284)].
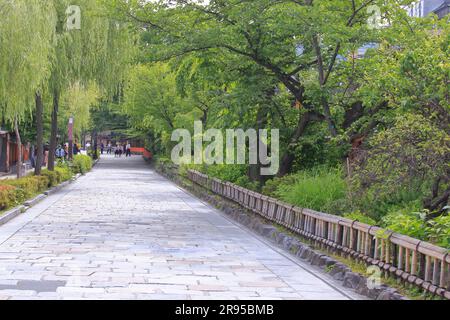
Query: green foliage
[(81, 164), (14, 192), (61, 173), (420, 225), (52, 177), (152, 103), (77, 102), (316, 148), (237, 64), (8, 196), (361, 217), (236, 174), (244, 181), (317, 189), (231, 173), (439, 231), (400, 165), (30, 185), (25, 47), (271, 186)]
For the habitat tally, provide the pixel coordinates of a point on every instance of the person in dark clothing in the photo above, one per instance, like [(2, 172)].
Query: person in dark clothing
[(76, 150), (33, 156), (128, 149)]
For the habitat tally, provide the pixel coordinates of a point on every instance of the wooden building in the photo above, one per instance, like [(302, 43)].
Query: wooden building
[(9, 152)]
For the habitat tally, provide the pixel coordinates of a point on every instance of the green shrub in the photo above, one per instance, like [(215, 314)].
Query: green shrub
[(42, 182), (377, 202), (410, 224), (439, 231), (400, 165), (229, 173), (245, 182), (317, 189), (7, 196), (30, 185), (271, 186), (52, 176), (15, 191), (419, 225), (81, 163), (64, 173), (359, 216)]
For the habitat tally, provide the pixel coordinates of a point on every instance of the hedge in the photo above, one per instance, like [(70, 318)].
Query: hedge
[(81, 164), (8, 196), (15, 191), (60, 174)]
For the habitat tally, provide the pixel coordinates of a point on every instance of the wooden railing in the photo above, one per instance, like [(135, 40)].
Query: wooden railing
[(413, 261)]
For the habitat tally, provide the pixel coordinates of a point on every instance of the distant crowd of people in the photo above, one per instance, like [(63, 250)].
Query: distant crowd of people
[(119, 149), (61, 153)]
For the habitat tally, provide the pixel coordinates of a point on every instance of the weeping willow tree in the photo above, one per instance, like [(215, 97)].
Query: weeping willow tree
[(95, 52), (77, 102), (25, 45)]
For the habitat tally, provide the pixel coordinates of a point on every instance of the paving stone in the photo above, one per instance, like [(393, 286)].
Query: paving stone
[(208, 288), (38, 286)]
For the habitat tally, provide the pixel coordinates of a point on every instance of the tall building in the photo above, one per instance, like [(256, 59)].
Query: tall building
[(422, 8)]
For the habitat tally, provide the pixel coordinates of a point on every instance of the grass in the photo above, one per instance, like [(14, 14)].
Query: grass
[(317, 189)]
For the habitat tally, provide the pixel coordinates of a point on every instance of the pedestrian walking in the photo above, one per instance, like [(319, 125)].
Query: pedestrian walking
[(120, 150), (102, 148), (46, 152), (109, 150), (128, 149), (33, 156), (60, 153), (66, 150)]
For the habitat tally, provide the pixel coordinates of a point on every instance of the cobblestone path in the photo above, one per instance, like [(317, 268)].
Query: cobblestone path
[(124, 232)]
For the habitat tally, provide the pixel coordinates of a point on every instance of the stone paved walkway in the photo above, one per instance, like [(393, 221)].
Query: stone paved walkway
[(124, 232)]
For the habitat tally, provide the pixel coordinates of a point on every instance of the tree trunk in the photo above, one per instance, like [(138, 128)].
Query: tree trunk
[(39, 134), (322, 81), (54, 133), (288, 159), (19, 149), (95, 145), (254, 171), (328, 117)]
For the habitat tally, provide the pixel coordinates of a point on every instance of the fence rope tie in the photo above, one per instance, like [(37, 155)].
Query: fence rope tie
[(418, 245), (390, 235)]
